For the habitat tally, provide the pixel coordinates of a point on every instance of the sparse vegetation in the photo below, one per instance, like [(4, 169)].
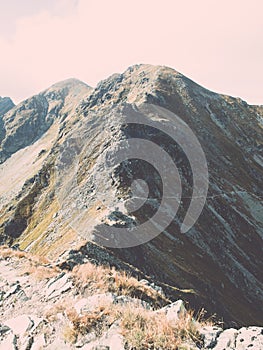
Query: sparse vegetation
[(145, 329), (106, 279), (37, 266), (142, 329)]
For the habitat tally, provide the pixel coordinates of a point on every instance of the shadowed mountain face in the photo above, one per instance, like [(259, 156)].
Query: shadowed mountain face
[(60, 186)]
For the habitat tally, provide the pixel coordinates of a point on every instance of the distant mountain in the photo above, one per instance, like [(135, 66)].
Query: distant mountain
[(57, 154), (5, 104)]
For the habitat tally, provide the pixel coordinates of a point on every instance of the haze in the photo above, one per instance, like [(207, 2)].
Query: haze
[(217, 44)]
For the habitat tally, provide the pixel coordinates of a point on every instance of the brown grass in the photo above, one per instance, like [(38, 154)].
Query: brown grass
[(145, 329), (40, 272), (142, 329), (7, 252), (106, 279), (37, 266)]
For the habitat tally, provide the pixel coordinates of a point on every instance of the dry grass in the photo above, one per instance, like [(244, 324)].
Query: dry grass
[(142, 329), (97, 320), (40, 272), (106, 279), (7, 252), (89, 321), (37, 266), (146, 329)]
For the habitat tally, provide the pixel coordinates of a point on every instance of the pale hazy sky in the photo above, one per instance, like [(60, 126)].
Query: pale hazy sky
[(219, 44)]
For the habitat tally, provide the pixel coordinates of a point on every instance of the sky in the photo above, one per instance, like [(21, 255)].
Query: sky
[(218, 44)]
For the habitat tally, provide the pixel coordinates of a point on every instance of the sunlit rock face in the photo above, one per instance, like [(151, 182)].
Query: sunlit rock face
[(56, 192)]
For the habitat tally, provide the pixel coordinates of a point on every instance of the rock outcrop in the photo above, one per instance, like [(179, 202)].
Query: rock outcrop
[(217, 261), (5, 105), (44, 307)]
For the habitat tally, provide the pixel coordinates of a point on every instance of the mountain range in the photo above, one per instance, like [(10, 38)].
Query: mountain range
[(61, 192)]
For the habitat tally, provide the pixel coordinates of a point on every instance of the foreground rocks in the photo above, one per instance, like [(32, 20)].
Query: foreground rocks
[(40, 310)]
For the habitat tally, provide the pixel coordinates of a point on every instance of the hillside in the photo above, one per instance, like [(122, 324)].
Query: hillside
[(62, 194)]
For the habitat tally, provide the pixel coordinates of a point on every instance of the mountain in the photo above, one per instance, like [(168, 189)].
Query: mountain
[(63, 195), (5, 105)]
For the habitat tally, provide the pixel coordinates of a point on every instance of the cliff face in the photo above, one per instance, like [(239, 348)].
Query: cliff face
[(5, 104), (62, 185)]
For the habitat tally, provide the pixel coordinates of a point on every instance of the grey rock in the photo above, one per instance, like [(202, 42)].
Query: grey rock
[(209, 335), (9, 342), (5, 105), (92, 302), (174, 311), (124, 299), (4, 329), (58, 344), (249, 338), (226, 340), (111, 340), (153, 286), (58, 285), (39, 342), (13, 290), (20, 324)]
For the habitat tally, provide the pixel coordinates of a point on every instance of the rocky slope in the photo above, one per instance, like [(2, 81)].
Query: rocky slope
[(44, 307), (5, 105), (53, 157)]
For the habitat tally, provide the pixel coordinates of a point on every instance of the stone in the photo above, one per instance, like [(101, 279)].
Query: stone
[(174, 311), (13, 290), (5, 105), (26, 343), (125, 299), (9, 342), (249, 338), (226, 340), (58, 285), (39, 342), (58, 344), (209, 335), (90, 303), (20, 324), (4, 329), (111, 340)]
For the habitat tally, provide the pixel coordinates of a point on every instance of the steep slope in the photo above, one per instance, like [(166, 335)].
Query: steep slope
[(31, 129), (5, 104), (219, 258), (28, 121)]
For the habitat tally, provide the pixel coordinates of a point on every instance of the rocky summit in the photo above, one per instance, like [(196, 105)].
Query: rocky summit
[(66, 189)]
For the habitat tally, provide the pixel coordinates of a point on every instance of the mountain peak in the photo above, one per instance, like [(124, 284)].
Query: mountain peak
[(5, 105), (71, 82)]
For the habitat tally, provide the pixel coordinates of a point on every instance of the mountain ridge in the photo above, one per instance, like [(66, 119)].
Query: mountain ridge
[(225, 242)]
